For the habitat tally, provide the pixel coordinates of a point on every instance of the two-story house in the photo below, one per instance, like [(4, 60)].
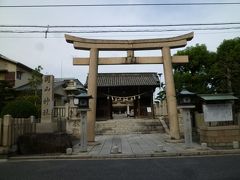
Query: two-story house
[(16, 73)]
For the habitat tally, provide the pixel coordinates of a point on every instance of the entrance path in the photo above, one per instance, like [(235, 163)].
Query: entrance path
[(135, 145), (132, 146)]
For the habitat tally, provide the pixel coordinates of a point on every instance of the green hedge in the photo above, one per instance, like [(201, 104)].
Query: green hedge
[(20, 109), (34, 99), (44, 143)]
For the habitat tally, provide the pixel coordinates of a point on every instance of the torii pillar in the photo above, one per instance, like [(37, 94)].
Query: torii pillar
[(163, 44), (170, 93), (92, 91)]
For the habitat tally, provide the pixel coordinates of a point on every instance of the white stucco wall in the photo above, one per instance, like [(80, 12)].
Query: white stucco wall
[(24, 77)]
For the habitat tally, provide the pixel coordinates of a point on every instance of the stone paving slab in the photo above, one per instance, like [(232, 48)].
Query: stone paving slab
[(133, 146)]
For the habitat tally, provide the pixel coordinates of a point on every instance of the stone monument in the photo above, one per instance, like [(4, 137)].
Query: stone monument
[(47, 125)]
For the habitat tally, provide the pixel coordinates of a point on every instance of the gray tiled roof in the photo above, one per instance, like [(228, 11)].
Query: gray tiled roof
[(127, 79), (217, 97), (58, 82), (2, 57)]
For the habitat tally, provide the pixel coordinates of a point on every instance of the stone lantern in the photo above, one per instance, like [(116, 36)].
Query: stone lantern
[(186, 100), (71, 90), (82, 102)]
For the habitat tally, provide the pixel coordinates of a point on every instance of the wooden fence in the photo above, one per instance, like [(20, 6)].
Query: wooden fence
[(12, 128)]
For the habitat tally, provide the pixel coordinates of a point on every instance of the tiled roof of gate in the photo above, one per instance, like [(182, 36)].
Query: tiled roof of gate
[(127, 79)]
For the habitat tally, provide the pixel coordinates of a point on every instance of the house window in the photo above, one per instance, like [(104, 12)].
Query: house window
[(19, 75)]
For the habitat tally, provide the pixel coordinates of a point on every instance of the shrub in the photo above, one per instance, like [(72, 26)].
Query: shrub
[(34, 99), (44, 143), (19, 109)]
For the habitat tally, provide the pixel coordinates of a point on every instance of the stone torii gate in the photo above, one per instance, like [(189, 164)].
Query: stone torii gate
[(164, 44)]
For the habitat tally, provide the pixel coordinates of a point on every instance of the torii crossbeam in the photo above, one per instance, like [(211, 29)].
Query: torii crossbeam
[(163, 44)]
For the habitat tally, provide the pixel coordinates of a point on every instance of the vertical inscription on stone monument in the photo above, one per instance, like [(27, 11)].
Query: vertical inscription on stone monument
[(47, 98)]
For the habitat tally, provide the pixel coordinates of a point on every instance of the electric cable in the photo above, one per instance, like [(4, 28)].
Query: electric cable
[(120, 5)]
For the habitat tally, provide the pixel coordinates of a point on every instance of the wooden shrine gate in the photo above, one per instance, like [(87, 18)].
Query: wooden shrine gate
[(163, 44)]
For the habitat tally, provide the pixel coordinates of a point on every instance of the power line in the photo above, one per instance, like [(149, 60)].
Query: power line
[(120, 5), (108, 35), (117, 31), (116, 26), (104, 29)]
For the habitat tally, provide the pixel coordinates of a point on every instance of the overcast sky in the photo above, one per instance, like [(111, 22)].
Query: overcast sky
[(55, 55)]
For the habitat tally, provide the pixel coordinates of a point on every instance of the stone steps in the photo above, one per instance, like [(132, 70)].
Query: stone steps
[(129, 126)]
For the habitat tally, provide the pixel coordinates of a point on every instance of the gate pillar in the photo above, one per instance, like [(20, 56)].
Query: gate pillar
[(170, 93), (92, 90)]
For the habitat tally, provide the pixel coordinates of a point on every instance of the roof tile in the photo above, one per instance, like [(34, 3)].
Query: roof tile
[(127, 79)]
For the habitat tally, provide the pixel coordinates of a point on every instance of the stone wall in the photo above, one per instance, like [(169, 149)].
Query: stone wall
[(160, 108), (220, 135), (199, 120), (67, 120)]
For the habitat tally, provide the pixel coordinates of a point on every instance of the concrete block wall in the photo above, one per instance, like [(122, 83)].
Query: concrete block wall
[(220, 135)]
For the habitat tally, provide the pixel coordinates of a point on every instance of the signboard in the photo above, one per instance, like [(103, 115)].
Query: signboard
[(149, 109), (217, 112)]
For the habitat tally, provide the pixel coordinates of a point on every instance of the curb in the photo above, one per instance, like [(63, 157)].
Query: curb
[(124, 156)]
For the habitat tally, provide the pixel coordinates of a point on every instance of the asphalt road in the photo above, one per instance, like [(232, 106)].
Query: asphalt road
[(204, 168)]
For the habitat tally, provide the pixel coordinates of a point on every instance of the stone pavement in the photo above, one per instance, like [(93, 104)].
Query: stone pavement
[(142, 146), (132, 146)]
